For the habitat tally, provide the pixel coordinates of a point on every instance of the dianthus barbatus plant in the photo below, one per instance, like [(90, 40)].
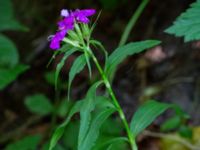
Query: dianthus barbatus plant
[(74, 35)]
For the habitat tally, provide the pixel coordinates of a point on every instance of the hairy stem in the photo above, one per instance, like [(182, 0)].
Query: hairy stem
[(113, 97), (132, 22)]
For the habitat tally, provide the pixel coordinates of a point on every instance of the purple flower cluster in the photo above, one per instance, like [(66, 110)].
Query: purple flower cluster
[(67, 23)]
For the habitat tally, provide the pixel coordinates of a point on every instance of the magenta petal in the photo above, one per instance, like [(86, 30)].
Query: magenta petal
[(61, 24), (69, 20), (88, 12), (82, 18), (55, 44), (66, 24), (61, 34)]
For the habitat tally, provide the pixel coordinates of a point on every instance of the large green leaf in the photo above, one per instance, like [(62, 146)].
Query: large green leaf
[(187, 24), (93, 132), (39, 104), (76, 68), (146, 114), (85, 113), (61, 128), (9, 75), (122, 52), (27, 143), (8, 53), (7, 19)]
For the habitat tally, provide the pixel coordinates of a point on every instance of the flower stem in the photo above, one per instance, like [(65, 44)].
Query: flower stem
[(113, 97), (132, 22)]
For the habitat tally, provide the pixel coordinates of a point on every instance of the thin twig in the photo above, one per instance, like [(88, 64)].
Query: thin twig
[(171, 137), (18, 131)]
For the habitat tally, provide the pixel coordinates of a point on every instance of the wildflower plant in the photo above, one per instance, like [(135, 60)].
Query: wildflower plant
[(74, 35)]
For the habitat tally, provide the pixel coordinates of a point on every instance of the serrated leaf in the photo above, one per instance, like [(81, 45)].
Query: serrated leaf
[(27, 143), (9, 75), (7, 19), (124, 51), (85, 113), (39, 104), (76, 68), (93, 131), (146, 114), (61, 128), (187, 24), (61, 64), (8, 53), (171, 123)]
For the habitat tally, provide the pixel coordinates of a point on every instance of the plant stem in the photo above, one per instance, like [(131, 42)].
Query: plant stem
[(172, 137), (132, 22), (54, 114), (118, 107)]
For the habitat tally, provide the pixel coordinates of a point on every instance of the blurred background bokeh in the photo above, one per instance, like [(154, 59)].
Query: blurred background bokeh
[(168, 73)]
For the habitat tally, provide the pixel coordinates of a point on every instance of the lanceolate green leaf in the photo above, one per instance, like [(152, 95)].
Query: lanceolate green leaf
[(85, 113), (112, 141), (61, 64), (93, 132), (87, 58), (8, 53), (60, 129), (9, 75), (122, 52), (77, 67), (146, 114), (99, 45), (187, 24)]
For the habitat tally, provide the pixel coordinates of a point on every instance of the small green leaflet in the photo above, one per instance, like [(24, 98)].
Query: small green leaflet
[(146, 114), (39, 104), (85, 113), (170, 124), (77, 67), (9, 75), (124, 51), (60, 129), (93, 132), (187, 24), (8, 53), (61, 64)]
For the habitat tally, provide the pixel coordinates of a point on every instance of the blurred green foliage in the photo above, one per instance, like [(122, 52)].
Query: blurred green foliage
[(10, 68)]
